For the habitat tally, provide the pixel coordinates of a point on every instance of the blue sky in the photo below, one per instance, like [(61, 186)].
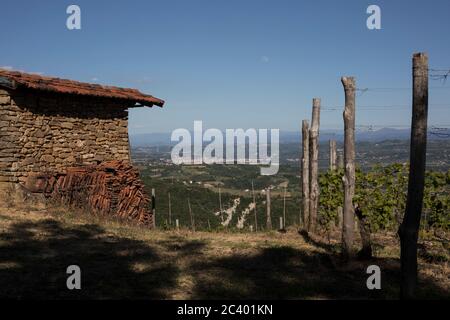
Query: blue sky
[(238, 64)]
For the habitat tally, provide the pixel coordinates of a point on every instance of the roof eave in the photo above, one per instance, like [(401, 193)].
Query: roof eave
[(150, 104), (13, 85), (8, 83)]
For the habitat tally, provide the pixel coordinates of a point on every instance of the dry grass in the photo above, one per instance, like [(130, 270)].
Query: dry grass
[(127, 261)]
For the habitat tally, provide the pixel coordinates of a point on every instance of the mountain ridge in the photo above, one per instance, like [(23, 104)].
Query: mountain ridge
[(382, 134)]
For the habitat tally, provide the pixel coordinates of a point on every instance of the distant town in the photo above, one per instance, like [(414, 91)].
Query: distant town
[(368, 154)]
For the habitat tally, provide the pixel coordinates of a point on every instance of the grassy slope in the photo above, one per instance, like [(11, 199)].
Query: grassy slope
[(126, 261)]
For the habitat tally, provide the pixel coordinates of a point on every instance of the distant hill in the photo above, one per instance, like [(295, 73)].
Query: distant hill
[(154, 139), (149, 139), (369, 135), (384, 134)]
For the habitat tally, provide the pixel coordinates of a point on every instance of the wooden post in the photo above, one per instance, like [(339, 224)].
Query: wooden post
[(332, 155), (177, 224), (191, 216), (409, 229), (254, 201), (220, 205), (314, 166), (154, 207), (284, 208), (251, 228), (281, 223), (340, 160), (170, 211), (269, 218), (305, 173), (348, 224), (340, 217), (365, 232)]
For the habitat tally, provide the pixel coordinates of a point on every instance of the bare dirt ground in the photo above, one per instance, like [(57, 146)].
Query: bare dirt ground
[(120, 261)]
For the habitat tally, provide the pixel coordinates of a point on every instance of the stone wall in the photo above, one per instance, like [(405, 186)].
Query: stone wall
[(46, 132)]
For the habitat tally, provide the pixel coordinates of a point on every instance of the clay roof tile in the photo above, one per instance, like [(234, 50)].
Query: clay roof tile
[(14, 80)]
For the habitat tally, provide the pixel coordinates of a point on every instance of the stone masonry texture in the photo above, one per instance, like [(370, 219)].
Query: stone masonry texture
[(48, 132)]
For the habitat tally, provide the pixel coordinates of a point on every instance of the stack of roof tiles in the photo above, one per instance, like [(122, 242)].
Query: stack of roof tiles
[(110, 188)]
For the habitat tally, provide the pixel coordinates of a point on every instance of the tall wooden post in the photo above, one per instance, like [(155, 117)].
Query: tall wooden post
[(314, 166), (154, 207), (305, 173), (348, 224), (333, 156), (409, 229), (269, 218), (254, 201)]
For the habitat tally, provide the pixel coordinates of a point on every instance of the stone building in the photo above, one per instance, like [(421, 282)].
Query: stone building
[(48, 124)]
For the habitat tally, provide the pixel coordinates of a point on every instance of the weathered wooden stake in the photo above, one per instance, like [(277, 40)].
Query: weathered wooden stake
[(170, 211), (340, 217), (220, 205), (314, 166), (349, 175), (409, 229), (340, 159), (177, 224), (191, 215), (269, 218), (284, 208), (333, 155), (154, 207), (365, 232), (254, 201), (281, 223), (305, 173)]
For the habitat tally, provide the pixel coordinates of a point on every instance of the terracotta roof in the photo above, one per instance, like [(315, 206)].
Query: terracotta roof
[(14, 80)]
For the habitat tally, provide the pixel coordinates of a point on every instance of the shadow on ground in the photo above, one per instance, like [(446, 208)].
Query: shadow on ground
[(34, 257), (289, 273)]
